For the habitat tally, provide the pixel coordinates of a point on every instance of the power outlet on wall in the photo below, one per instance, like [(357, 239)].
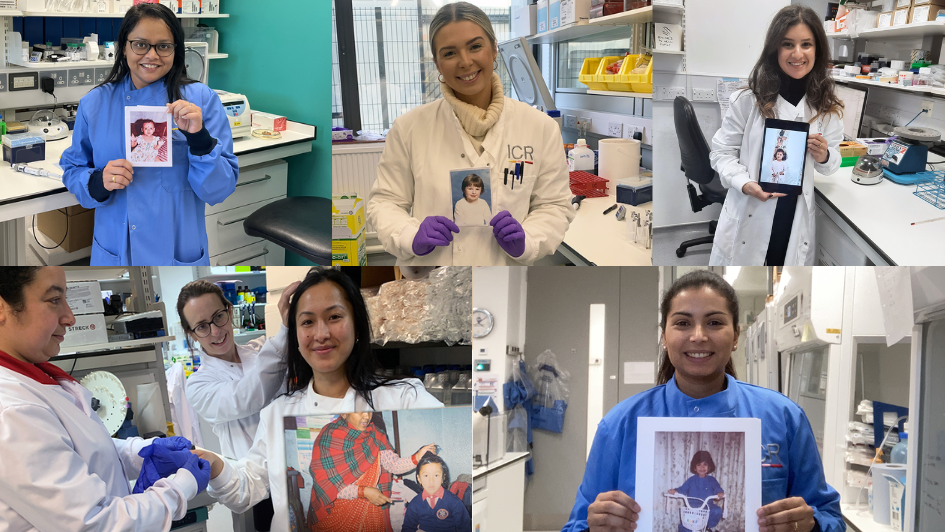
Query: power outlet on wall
[(570, 121), (703, 95), (927, 106), (615, 129), (670, 93), (584, 123)]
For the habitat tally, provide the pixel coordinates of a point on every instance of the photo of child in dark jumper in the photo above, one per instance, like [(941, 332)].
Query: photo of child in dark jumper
[(436, 509), (472, 208), (701, 486)]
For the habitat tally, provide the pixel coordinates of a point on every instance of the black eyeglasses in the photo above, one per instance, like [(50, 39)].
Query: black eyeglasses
[(219, 319), (163, 49)]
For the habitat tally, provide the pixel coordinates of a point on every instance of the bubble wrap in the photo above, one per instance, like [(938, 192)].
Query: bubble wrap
[(450, 304), (433, 309)]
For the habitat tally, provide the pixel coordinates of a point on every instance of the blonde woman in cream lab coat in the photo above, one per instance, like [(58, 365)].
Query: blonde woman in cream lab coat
[(795, 37), (472, 126)]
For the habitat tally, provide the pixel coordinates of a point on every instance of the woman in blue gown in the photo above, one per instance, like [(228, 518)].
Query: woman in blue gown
[(697, 379)]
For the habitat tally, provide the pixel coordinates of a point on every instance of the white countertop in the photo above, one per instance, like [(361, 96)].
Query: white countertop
[(604, 240), (861, 518), (18, 188), (882, 214), (508, 459)]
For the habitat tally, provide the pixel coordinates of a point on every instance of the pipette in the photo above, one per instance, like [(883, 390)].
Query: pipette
[(32, 170)]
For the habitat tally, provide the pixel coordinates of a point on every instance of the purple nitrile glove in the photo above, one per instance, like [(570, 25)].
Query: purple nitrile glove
[(434, 231), (200, 469), (174, 443), (159, 462), (508, 233)]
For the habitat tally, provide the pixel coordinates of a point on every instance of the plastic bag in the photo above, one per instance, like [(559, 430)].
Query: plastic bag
[(551, 393), (434, 308), (643, 62)]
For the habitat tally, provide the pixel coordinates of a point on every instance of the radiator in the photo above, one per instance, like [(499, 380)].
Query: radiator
[(354, 169)]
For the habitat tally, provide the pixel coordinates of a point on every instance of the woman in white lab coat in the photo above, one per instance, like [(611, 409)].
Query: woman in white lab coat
[(60, 470), (234, 382), (790, 81), (473, 125), (331, 369)]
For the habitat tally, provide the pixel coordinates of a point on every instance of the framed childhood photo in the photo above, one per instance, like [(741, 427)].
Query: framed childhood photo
[(358, 471), (472, 197), (148, 136), (706, 474)]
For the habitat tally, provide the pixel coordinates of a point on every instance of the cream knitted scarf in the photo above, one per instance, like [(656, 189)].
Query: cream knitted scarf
[(476, 122)]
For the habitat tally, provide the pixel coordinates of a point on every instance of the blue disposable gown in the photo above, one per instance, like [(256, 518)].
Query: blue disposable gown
[(158, 220), (612, 461)]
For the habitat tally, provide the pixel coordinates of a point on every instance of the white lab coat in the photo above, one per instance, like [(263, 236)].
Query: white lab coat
[(60, 471), (246, 482), (741, 238), (230, 396), (413, 182)]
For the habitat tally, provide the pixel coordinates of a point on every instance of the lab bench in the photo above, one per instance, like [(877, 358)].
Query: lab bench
[(263, 179), (872, 224), (594, 238), (499, 494)]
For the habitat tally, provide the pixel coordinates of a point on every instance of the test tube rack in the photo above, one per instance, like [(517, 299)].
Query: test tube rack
[(932, 190), (589, 185)]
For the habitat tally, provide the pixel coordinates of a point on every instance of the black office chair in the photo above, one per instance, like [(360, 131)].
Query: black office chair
[(301, 225), (694, 152)]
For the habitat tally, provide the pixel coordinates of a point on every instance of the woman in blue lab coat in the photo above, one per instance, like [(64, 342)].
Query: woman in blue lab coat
[(697, 379), (146, 215)]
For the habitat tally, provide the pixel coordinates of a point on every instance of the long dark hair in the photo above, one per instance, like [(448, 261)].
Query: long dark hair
[(13, 281), (361, 367), (177, 75), (765, 78), (696, 279)]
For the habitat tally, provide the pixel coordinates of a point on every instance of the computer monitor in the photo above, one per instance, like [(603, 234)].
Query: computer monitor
[(854, 104), (529, 86)]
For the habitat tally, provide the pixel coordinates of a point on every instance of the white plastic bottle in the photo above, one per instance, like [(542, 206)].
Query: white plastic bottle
[(581, 157)]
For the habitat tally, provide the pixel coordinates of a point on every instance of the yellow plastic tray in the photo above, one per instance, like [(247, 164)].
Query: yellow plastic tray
[(612, 82), (637, 82), (588, 75)]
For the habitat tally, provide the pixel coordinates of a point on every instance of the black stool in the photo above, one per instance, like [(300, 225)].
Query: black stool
[(301, 225)]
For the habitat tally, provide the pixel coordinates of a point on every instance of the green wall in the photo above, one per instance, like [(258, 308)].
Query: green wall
[(280, 58)]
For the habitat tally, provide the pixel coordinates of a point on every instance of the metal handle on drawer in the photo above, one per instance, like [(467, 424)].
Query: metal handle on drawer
[(231, 222), (248, 258), (266, 178)]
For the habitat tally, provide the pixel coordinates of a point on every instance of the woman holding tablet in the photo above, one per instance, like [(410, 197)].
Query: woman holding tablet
[(790, 88)]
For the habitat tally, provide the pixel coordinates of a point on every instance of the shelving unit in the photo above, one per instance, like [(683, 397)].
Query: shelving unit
[(5, 13), (917, 29), (623, 94), (600, 29), (921, 89)]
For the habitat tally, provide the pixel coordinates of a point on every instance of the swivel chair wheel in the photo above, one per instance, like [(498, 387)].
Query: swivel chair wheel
[(680, 252)]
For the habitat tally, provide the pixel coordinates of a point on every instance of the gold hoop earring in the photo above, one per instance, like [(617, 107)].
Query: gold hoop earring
[(495, 64), (440, 77)]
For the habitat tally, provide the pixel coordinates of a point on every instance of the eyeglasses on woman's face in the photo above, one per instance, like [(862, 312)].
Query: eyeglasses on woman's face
[(163, 49), (219, 319)]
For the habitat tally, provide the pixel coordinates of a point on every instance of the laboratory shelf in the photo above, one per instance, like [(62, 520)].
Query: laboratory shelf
[(669, 52), (107, 346), (861, 518), (406, 345), (624, 94), (920, 89), (663, 8), (10, 13), (104, 15), (600, 29), (217, 56), (63, 65), (905, 31)]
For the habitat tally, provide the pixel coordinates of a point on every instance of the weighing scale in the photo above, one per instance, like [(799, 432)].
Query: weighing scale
[(909, 153)]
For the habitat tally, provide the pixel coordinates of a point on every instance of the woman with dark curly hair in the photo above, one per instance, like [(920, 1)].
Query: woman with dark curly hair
[(790, 81)]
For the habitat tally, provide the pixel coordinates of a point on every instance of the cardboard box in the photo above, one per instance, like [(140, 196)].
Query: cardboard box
[(268, 121), (554, 14), (542, 21), (73, 226), (903, 3), (347, 216), (884, 20), (901, 16), (575, 12), (85, 297), (349, 251), (606, 9), (524, 21), (88, 329), (927, 12), (852, 149)]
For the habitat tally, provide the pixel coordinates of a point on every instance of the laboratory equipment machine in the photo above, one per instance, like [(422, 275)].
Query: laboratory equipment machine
[(868, 170), (197, 61), (909, 153), (762, 359), (109, 399), (237, 112), (48, 124), (526, 77)]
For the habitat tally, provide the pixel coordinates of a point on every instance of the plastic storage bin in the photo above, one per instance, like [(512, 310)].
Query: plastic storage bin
[(637, 82), (614, 82), (588, 75), (634, 191)]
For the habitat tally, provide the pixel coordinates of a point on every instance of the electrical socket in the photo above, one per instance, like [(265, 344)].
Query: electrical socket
[(703, 95), (670, 93), (615, 129), (570, 121), (584, 123), (927, 106)]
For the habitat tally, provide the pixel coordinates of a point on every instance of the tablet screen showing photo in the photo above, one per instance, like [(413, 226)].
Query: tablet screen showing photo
[(783, 155)]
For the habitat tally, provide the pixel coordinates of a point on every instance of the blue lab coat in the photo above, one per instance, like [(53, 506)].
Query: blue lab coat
[(159, 218), (612, 461), (701, 489), (449, 515)]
